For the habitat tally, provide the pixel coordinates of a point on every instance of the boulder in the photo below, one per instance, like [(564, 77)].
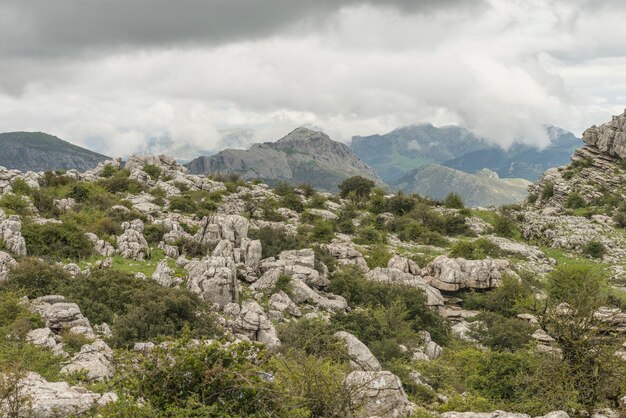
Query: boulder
[(93, 359), (378, 394), (132, 244), (43, 337), (361, 358), (346, 254), (252, 324), (56, 399), (395, 276), (283, 304), (452, 274), (214, 280), (6, 264), (59, 314), (100, 246), (404, 264), (216, 228), (164, 275), (11, 234)]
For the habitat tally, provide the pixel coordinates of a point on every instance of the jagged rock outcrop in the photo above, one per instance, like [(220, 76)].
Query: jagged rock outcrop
[(164, 275), (11, 234), (58, 314), (216, 228), (452, 274), (281, 302), (6, 264), (346, 254), (95, 360), (43, 399), (132, 243), (250, 322), (378, 394), (361, 358), (100, 246), (214, 279)]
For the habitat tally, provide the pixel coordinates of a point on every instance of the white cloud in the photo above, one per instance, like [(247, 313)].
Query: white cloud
[(503, 71)]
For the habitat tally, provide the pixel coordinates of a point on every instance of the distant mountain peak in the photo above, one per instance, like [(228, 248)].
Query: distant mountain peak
[(303, 134)]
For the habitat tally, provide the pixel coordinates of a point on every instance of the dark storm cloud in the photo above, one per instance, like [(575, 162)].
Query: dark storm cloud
[(60, 27)]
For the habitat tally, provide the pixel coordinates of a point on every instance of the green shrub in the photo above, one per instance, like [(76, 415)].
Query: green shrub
[(314, 337), (154, 171), (377, 256), (184, 204), (505, 226), (453, 201), (501, 333), (57, 241), (532, 198), (55, 179), (475, 250), (369, 235), (512, 297), (322, 231), (121, 184), (400, 204), (548, 191), (20, 187), (108, 171), (356, 186), (274, 240), (292, 201), (36, 278), (154, 233), (594, 249), (15, 204), (575, 201)]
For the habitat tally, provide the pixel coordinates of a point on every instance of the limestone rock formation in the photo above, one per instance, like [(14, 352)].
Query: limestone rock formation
[(214, 279), (93, 359), (11, 234), (452, 274), (6, 264), (395, 276), (251, 323), (378, 394), (45, 399), (361, 358), (100, 246), (132, 243)]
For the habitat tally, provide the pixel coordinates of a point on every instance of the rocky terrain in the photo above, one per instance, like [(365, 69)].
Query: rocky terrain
[(36, 151), (145, 290), (485, 188), (302, 156)]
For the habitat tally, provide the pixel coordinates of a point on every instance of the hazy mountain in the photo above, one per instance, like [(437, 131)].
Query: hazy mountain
[(303, 156), (484, 188), (394, 154), (37, 151)]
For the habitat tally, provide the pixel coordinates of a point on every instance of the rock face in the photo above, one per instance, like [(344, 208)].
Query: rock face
[(164, 275), (452, 274), (214, 279), (378, 394), (132, 244), (610, 138), (93, 359), (59, 314), (251, 323), (100, 246), (361, 358), (43, 399), (302, 156), (6, 264), (11, 234)]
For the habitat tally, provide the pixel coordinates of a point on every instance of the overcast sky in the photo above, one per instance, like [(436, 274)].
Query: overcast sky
[(118, 74)]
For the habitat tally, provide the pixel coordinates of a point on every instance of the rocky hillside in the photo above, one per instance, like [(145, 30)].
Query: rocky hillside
[(37, 151), (402, 150), (484, 188), (303, 156), (149, 291)]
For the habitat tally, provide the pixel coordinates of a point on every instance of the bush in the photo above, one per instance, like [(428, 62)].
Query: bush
[(378, 256), (15, 204), (57, 241), (594, 249), (505, 226), (356, 186), (548, 191), (400, 204), (313, 337), (475, 250), (36, 278), (369, 235), (453, 201), (293, 202), (154, 233), (121, 184), (512, 297), (322, 231), (501, 333), (274, 240), (154, 171), (184, 204), (575, 201), (20, 187)]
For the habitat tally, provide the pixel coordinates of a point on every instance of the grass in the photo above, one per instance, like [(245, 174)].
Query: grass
[(146, 267)]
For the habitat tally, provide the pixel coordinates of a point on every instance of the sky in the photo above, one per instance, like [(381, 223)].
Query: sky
[(123, 76)]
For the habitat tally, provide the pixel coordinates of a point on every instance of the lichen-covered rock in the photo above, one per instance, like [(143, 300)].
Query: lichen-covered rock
[(378, 394), (252, 324), (283, 303), (214, 280), (132, 243), (94, 359), (6, 264), (45, 399), (11, 234), (361, 357), (452, 274), (164, 275)]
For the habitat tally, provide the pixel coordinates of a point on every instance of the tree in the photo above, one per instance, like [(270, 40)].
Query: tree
[(358, 186), (453, 201)]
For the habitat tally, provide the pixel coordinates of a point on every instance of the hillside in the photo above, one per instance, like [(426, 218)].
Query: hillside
[(302, 156), (37, 151), (249, 300), (481, 189), (394, 154)]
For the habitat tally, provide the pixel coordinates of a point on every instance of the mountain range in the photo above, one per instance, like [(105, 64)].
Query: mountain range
[(423, 159)]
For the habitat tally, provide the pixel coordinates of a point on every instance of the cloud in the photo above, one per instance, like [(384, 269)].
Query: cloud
[(167, 78)]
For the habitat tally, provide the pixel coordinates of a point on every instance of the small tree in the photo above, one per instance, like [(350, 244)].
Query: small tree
[(453, 201), (358, 185)]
